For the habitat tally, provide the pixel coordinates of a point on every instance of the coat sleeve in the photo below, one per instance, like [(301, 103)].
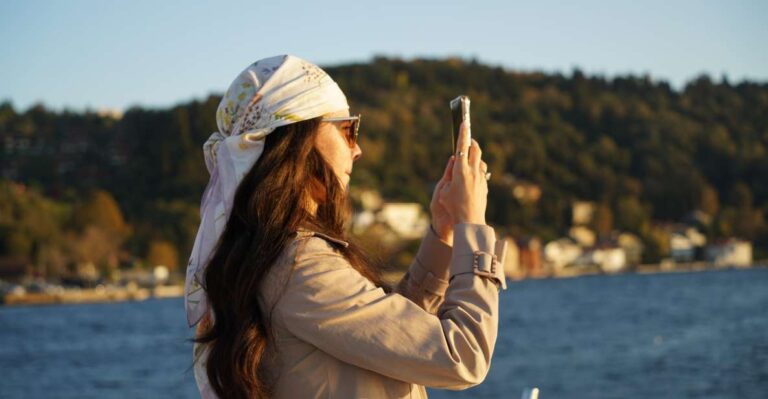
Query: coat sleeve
[(328, 304), (427, 277)]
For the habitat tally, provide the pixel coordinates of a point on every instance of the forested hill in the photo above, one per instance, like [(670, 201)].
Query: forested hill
[(640, 149), (626, 142)]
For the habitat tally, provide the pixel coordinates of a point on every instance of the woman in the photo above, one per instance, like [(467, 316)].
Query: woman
[(285, 306)]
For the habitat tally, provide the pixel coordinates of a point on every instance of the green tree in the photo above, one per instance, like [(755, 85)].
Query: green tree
[(631, 215), (101, 210), (710, 202), (163, 253)]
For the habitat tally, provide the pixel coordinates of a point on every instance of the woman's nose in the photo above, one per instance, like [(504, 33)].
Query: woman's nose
[(357, 152)]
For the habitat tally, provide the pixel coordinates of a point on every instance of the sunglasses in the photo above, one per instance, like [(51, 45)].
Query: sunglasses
[(353, 129)]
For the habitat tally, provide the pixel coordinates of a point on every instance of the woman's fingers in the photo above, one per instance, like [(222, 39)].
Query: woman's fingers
[(465, 195), (464, 140), (442, 188), (448, 169), (475, 155), (444, 181), (462, 150), (464, 137)]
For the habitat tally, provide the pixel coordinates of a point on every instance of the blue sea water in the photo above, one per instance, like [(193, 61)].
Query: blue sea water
[(681, 335)]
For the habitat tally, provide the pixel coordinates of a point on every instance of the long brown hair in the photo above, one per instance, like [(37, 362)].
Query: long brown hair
[(268, 207)]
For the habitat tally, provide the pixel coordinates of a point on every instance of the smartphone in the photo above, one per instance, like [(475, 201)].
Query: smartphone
[(459, 114)]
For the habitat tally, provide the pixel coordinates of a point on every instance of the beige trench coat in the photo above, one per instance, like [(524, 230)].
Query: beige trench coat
[(339, 336)]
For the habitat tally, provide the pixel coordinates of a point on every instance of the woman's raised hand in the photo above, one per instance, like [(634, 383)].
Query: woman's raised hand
[(442, 220), (465, 195)]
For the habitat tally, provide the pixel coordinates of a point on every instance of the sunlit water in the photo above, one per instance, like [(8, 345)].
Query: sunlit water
[(687, 335)]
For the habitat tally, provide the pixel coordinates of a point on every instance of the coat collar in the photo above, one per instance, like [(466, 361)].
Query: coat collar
[(303, 232)]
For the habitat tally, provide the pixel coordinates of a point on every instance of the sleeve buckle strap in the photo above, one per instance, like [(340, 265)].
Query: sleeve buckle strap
[(484, 264), (487, 265)]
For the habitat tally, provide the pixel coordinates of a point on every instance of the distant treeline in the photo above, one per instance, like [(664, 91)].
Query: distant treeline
[(641, 150)]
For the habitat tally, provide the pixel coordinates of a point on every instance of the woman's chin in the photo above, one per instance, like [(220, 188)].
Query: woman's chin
[(344, 180)]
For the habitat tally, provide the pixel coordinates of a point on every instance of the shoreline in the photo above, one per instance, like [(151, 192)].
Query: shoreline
[(124, 294), (653, 268), (92, 295)]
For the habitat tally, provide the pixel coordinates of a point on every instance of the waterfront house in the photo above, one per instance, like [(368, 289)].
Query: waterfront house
[(361, 221), (406, 219), (607, 258), (583, 236), (632, 246), (730, 252), (561, 252), (685, 242), (611, 259), (531, 257), (681, 248)]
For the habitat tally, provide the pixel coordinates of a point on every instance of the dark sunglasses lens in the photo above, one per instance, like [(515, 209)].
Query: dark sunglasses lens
[(352, 133)]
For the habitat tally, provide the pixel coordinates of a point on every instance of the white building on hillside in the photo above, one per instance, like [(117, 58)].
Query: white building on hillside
[(583, 236), (683, 244), (405, 219), (610, 259), (562, 252), (732, 252)]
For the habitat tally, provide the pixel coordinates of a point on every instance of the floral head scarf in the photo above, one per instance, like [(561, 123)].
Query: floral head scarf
[(270, 93)]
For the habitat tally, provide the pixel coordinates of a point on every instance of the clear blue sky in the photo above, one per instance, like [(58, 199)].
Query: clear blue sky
[(96, 54)]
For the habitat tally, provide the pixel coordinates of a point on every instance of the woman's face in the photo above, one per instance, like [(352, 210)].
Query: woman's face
[(331, 142)]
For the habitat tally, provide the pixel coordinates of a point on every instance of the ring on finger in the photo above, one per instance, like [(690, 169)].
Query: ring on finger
[(487, 176), (460, 154)]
